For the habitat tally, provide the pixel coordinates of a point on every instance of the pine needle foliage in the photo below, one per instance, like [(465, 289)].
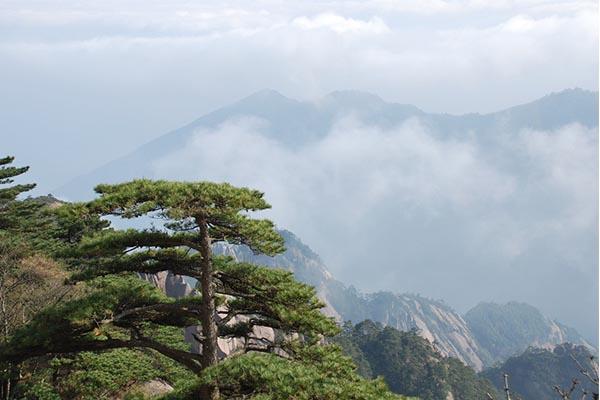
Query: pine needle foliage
[(12, 212), (234, 300), (319, 372)]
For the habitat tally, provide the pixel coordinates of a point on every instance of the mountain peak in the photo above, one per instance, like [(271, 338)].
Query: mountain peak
[(266, 95), (576, 96), (575, 91), (353, 97)]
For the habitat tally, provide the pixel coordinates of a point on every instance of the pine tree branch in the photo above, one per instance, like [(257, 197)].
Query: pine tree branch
[(181, 309), (585, 372), (189, 360)]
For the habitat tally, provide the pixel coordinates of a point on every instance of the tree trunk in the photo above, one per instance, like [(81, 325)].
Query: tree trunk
[(506, 389), (208, 310), (6, 385)]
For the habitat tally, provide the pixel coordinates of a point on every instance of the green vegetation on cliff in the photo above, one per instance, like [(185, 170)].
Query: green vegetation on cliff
[(409, 364), (505, 330), (534, 373)]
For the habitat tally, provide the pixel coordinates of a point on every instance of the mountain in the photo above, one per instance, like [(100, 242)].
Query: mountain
[(298, 258), (421, 357), (533, 374), (487, 334), (505, 330), (294, 123), (410, 364), (434, 320), (471, 339)]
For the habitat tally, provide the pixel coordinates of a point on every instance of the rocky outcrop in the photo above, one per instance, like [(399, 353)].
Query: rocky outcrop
[(176, 286), (155, 387), (172, 285), (260, 337)]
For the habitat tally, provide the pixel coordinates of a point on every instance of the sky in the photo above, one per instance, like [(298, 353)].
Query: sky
[(85, 82)]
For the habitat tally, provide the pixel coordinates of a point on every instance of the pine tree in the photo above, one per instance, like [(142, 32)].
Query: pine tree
[(12, 215), (11, 211), (121, 311), (6, 174)]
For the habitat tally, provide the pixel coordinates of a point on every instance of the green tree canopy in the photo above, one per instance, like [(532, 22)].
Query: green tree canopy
[(13, 213), (7, 172), (409, 364), (120, 311)]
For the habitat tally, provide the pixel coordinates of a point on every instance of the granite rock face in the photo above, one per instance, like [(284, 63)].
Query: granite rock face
[(433, 320), (172, 285)]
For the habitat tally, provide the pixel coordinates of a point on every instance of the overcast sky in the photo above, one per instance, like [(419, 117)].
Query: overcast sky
[(82, 83)]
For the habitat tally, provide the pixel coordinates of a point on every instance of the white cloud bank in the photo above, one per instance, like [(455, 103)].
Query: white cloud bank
[(354, 166), (340, 24), (403, 208), (423, 52)]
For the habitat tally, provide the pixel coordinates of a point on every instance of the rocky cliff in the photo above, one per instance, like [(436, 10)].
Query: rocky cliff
[(434, 320), (173, 285), (473, 339), (488, 333)]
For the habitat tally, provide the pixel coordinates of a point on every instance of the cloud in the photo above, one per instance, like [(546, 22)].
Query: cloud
[(555, 202), (308, 49), (355, 167), (565, 161), (340, 24), (356, 170), (405, 208)]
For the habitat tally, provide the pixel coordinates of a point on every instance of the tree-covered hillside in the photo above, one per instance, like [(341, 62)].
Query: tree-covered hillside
[(534, 373), (505, 330), (410, 364)]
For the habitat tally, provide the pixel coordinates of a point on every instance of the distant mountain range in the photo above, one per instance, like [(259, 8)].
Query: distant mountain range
[(489, 333), (294, 123)]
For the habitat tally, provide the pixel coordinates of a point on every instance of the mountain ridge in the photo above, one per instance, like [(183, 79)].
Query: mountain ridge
[(510, 328), (295, 123), (448, 331)]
